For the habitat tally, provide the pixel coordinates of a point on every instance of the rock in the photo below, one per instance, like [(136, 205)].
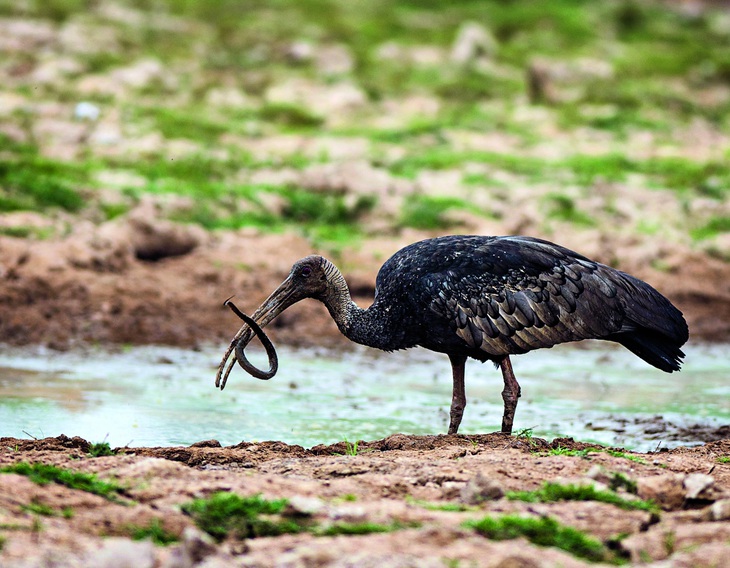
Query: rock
[(556, 82), (472, 42), (333, 60), (153, 238), (352, 177), (25, 35), (720, 510), (480, 489), (697, 485), (143, 73), (195, 546), (323, 100), (123, 553), (229, 97), (667, 491), (305, 506)]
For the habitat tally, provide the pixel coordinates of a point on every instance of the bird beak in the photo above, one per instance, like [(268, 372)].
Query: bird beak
[(283, 297)]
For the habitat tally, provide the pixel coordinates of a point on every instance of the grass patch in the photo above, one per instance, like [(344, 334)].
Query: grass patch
[(584, 453), (242, 517), (100, 449), (426, 212), (39, 509), (561, 451), (711, 228), (290, 115), (563, 208), (447, 507), (43, 474), (723, 459), (227, 514), (351, 529), (154, 531), (38, 184), (543, 531), (630, 457), (553, 492), (351, 449)]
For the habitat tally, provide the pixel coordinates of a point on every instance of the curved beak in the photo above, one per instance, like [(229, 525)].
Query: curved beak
[(283, 297)]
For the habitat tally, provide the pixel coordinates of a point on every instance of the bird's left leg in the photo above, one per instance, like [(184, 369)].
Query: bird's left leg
[(510, 394), (458, 397)]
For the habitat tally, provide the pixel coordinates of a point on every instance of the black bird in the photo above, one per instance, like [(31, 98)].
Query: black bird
[(485, 298)]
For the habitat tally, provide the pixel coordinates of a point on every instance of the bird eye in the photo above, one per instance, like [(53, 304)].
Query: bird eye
[(306, 271)]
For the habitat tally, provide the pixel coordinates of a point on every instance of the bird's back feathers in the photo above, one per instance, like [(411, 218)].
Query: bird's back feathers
[(494, 296)]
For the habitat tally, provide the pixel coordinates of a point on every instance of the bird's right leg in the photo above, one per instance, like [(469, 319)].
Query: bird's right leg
[(510, 394), (458, 397)]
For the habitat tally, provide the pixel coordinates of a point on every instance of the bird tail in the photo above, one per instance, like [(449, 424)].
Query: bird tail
[(655, 329), (654, 348)]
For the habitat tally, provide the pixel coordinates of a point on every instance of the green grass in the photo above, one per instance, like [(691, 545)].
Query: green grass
[(351, 449), (242, 517), (723, 459), (626, 456), (711, 228), (227, 514), (664, 60), (352, 529), (38, 184), (448, 507), (39, 509), (426, 212), (43, 474), (543, 531), (154, 531), (561, 451), (553, 492), (101, 449)]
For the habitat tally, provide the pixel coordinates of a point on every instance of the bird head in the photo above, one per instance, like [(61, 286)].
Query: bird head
[(307, 279), (311, 277)]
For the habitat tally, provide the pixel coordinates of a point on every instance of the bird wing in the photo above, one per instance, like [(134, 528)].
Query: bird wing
[(515, 294)]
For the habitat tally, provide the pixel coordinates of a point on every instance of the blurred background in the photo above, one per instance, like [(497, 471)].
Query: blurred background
[(157, 156)]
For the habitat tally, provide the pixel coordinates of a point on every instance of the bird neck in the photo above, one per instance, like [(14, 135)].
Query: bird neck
[(371, 327)]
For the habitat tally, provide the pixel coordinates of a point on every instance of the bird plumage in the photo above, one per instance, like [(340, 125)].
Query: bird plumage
[(486, 298)]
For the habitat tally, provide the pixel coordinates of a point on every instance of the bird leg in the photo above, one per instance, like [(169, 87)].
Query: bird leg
[(510, 394), (458, 397)]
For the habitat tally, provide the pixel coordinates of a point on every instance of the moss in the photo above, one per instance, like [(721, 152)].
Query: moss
[(711, 228), (563, 208), (352, 529), (426, 212), (30, 182), (242, 517), (43, 474), (39, 509), (543, 531), (101, 449), (551, 492), (154, 531)]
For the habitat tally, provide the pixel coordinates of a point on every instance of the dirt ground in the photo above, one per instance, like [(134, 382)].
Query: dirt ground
[(92, 287), (408, 480)]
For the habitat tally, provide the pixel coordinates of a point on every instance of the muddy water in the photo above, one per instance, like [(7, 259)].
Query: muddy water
[(161, 396)]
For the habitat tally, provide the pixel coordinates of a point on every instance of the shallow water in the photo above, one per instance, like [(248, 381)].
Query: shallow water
[(159, 396)]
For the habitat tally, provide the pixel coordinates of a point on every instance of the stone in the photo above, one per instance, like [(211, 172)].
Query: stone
[(720, 510), (667, 491), (696, 484), (479, 489), (123, 553), (472, 42)]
